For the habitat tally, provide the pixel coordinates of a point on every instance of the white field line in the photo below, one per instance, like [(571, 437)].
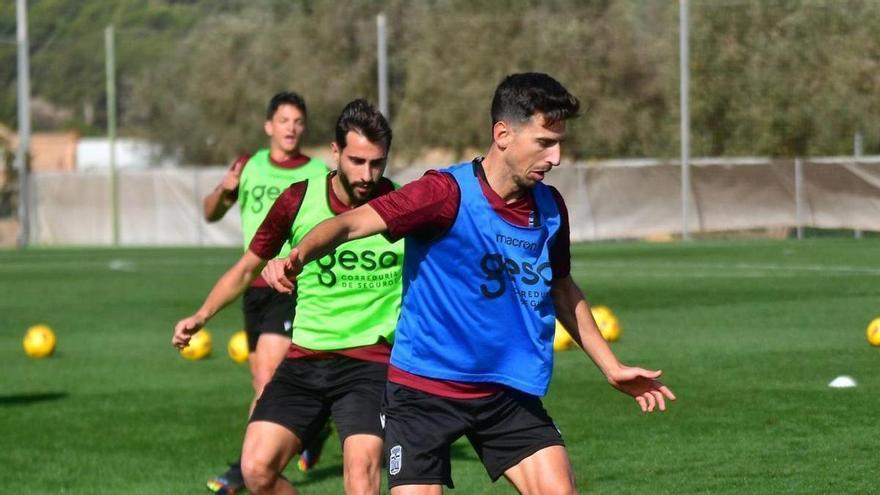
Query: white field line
[(593, 268), (115, 264)]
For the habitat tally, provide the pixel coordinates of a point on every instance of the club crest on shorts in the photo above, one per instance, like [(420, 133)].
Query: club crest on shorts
[(287, 326), (395, 459)]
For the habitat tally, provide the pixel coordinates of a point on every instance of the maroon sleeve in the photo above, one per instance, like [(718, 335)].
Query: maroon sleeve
[(560, 251), (274, 232), (425, 207)]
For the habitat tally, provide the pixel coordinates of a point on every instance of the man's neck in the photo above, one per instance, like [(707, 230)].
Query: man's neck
[(278, 155), (340, 192), (499, 179)]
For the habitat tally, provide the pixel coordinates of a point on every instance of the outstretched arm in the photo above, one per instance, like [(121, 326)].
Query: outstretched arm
[(219, 201), (228, 287), (360, 222), (573, 312)]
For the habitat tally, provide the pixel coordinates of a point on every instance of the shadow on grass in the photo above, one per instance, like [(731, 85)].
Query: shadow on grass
[(463, 450), (318, 474), (24, 399)]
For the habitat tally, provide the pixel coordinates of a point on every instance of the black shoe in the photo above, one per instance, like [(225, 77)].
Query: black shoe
[(311, 454)]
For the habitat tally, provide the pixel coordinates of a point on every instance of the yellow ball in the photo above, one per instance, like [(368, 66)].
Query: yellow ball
[(608, 324), (39, 341), (602, 312), (238, 347), (561, 339), (199, 346), (873, 332)]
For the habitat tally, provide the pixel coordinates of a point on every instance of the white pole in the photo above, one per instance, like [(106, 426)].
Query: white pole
[(22, 156), (685, 115), (382, 57), (110, 57), (857, 153), (799, 197)]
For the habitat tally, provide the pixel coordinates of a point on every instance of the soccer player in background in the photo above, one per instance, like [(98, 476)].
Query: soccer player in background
[(256, 181), (487, 269), (347, 309)]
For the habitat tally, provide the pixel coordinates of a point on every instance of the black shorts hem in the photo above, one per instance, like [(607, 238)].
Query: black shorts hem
[(522, 455), (253, 336), (275, 330), (365, 432), (421, 481), (289, 428)]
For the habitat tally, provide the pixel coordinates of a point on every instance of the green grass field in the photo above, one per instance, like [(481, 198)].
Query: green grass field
[(748, 333)]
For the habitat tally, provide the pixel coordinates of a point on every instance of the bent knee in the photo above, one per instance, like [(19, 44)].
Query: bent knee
[(557, 489), (258, 476), (362, 475)]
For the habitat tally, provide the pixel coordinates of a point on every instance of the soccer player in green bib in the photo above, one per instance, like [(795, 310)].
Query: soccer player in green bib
[(346, 313), (255, 181)]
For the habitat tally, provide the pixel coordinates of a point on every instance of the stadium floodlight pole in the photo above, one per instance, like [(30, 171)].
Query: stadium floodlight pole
[(382, 58), (685, 114), (24, 121), (109, 44)]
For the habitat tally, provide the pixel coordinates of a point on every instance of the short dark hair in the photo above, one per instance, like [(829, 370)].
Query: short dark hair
[(519, 96), (363, 118), (285, 98)]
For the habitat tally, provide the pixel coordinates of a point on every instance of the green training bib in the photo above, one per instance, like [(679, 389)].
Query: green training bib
[(260, 185), (351, 297)]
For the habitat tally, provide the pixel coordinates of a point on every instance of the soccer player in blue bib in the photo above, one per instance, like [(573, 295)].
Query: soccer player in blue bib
[(486, 273)]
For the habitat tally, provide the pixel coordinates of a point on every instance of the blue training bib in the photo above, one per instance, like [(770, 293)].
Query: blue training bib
[(476, 302)]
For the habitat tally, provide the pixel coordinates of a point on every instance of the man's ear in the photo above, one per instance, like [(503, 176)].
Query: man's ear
[(267, 126), (335, 152), (502, 134)]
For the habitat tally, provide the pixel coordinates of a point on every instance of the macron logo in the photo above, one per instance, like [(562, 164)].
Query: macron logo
[(513, 241)]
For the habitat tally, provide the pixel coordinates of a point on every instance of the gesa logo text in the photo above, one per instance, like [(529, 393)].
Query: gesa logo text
[(259, 196), (497, 269), (349, 260)]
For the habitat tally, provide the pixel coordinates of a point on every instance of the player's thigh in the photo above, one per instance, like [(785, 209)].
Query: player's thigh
[(271, 350), (547, 471), (270, 353), (293, 401), (362, 462), (269, 445), (363, 448), (417, 490), (511, 427)]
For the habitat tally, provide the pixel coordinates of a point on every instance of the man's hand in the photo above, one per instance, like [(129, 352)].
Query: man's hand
[(233, 176), (280, 273), (185, 329), (642, 384)]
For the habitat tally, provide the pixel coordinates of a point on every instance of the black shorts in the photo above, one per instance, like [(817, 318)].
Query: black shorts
[(303, 393), (504, 429), (266, 311)]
